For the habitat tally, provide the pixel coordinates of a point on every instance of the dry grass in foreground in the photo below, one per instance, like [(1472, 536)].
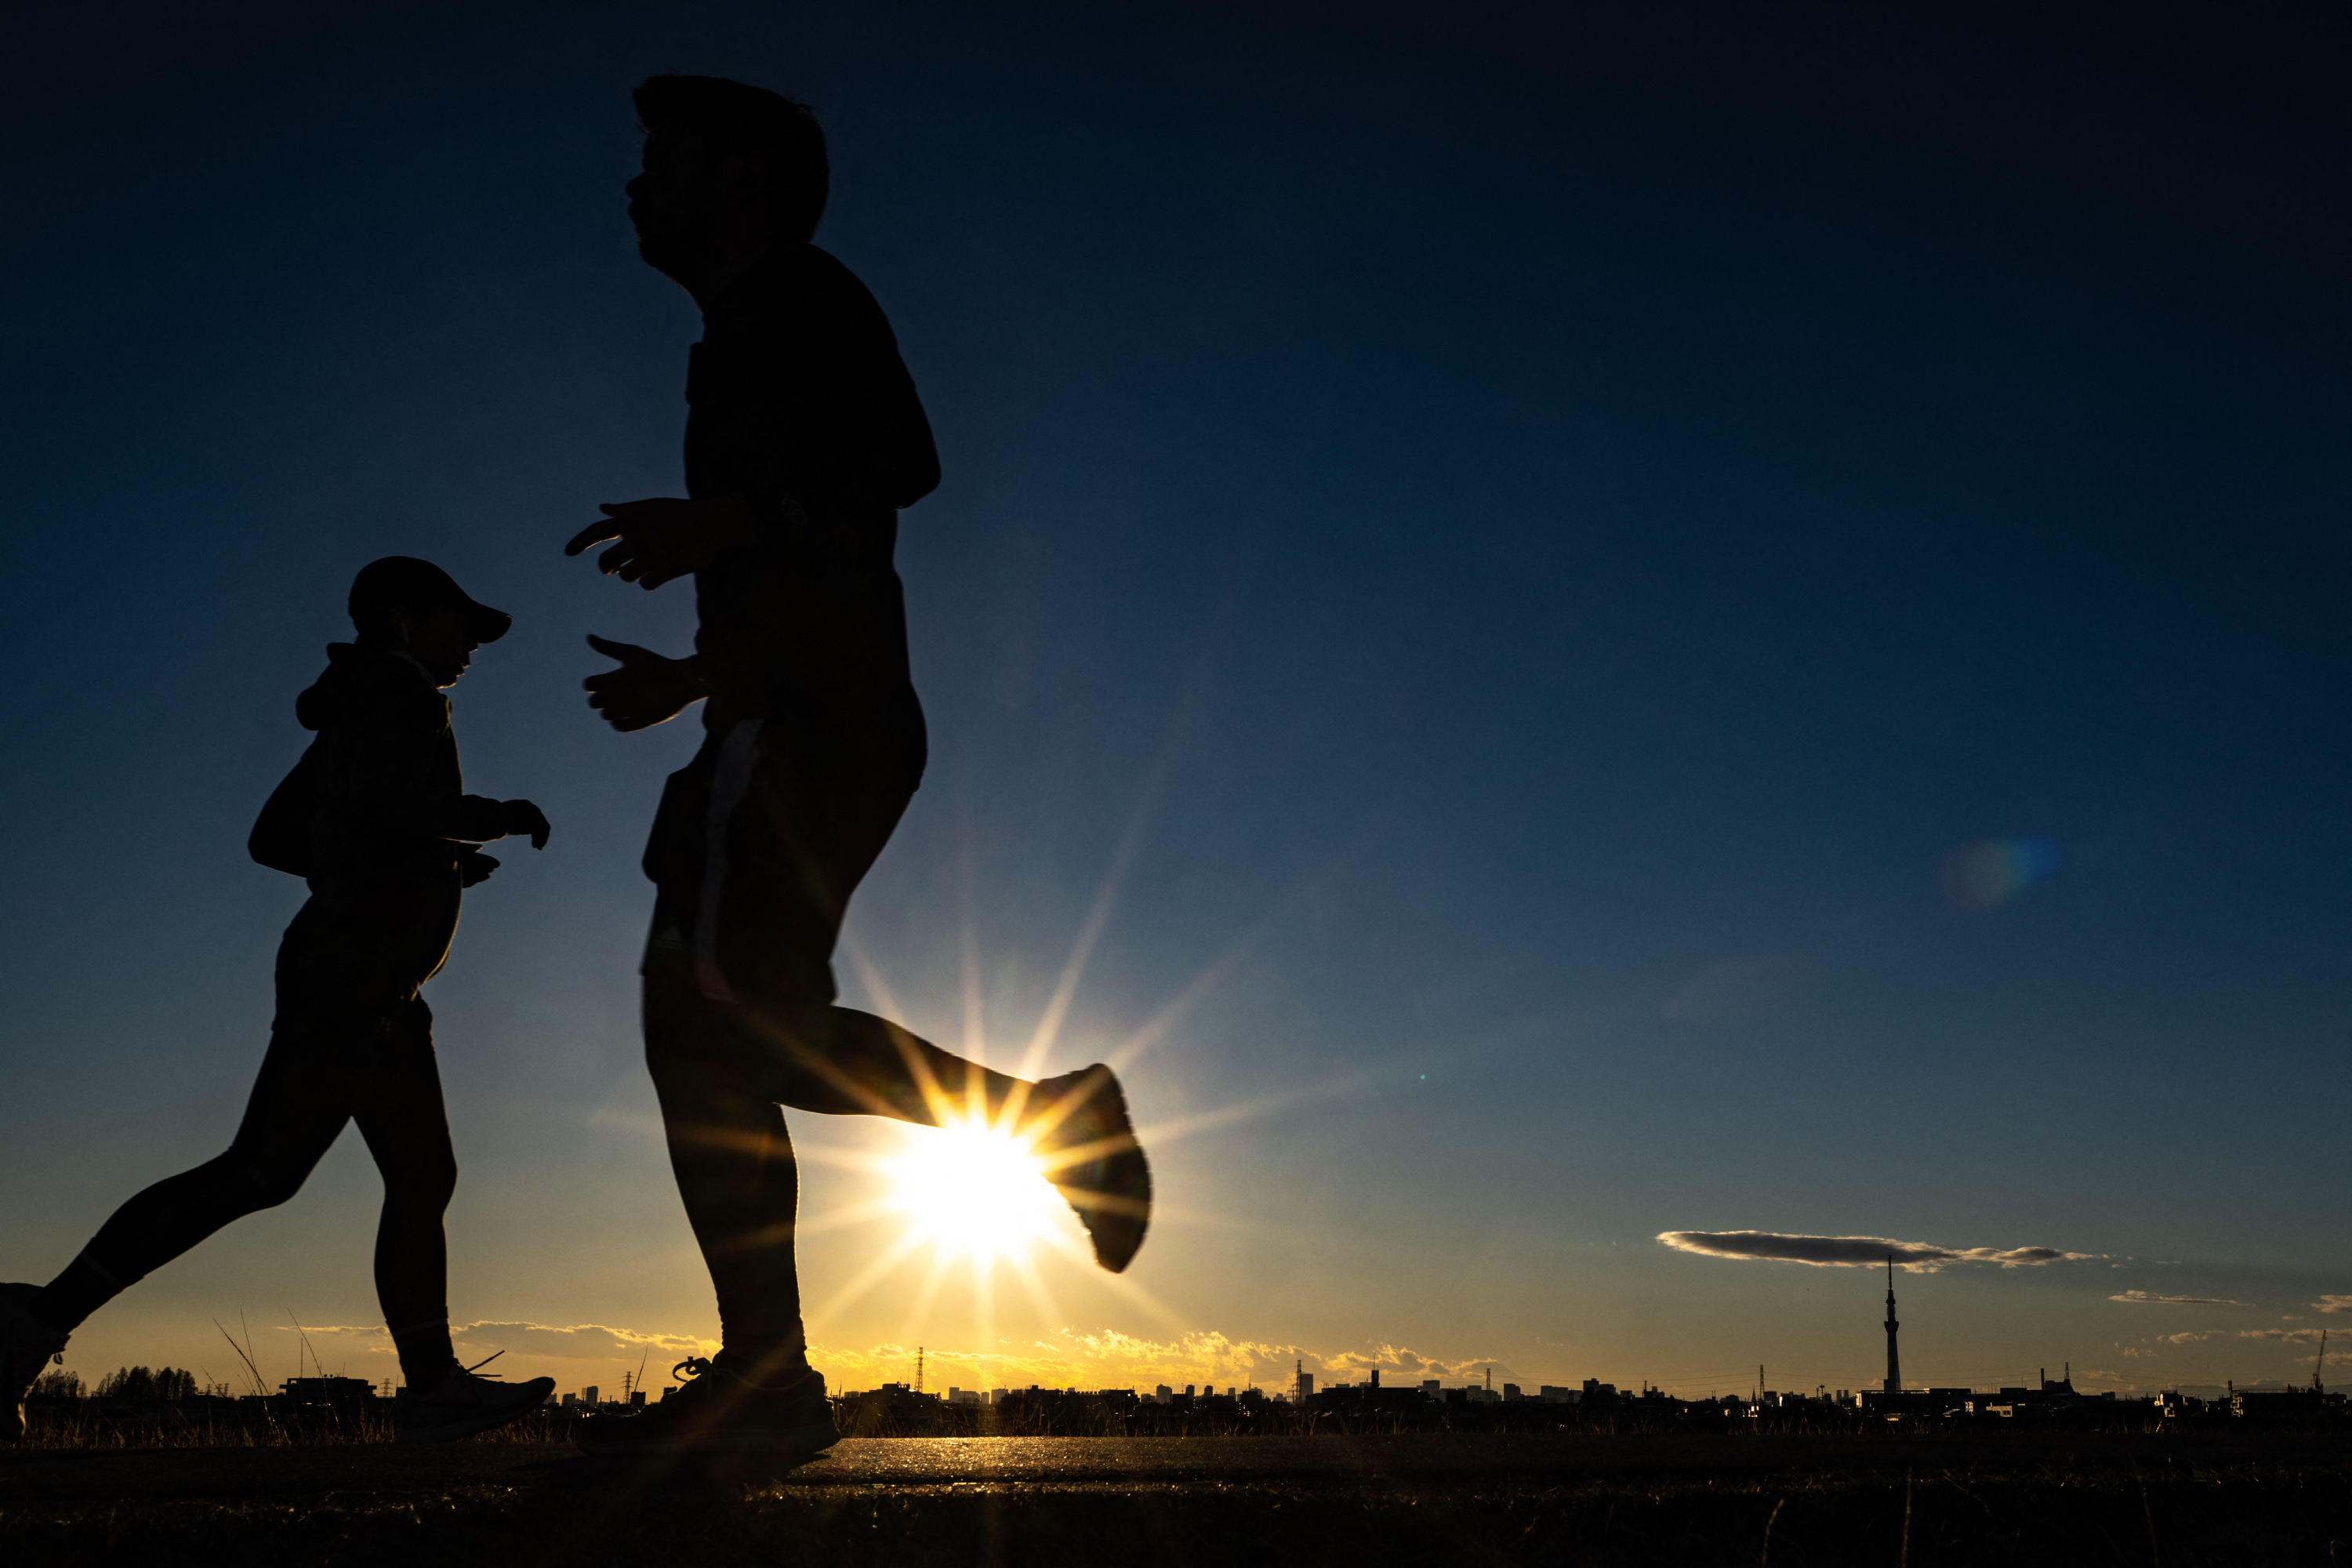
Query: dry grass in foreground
[(80, 1431)]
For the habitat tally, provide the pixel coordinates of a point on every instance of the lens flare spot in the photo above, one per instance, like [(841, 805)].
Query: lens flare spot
[(1988, 874), (967, 1188)]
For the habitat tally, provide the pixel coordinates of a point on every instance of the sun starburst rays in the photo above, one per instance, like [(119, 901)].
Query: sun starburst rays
[(976, 1187), (980, 1191), (971, 1187)]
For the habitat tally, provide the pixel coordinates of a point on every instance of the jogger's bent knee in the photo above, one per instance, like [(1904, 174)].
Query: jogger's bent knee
[(423, 1183), (253, 1180)]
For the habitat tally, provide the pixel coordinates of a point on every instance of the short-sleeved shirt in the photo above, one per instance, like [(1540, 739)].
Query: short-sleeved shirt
[(799, 402)]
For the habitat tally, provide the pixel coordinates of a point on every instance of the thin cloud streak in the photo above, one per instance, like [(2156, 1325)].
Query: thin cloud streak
[(2141, 1298), (1857, 1251), (559, 1341)]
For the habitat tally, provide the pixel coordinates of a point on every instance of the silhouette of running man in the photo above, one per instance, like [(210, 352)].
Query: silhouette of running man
[(803, 439), (376, 818)]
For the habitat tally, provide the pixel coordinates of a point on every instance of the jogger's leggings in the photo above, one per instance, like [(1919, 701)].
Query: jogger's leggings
[(375, 1066), (760, 842), (722, 1072)]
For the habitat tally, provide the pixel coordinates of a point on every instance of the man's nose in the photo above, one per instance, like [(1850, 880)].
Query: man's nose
[(634, 187)]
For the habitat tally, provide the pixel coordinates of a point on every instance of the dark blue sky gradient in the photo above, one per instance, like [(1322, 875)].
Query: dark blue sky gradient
[(1515, 510)]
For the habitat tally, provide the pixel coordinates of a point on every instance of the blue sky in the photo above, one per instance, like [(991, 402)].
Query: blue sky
[(1501, 551)]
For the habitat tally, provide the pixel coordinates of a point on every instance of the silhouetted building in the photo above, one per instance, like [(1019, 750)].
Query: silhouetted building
[(2277, 1404), (336, 1391), (1894, 1362)]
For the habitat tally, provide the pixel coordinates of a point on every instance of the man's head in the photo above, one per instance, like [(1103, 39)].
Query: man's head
[(414, 608), (728, 169)]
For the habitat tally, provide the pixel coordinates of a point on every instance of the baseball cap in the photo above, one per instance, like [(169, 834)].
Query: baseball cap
[(405, 580)]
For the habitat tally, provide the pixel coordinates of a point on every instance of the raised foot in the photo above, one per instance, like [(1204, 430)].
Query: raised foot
[(1094, 1161)]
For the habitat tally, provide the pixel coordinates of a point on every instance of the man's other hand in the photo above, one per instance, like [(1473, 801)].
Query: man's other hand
[(662, 539), (473, 866), (646, 690), (521, 816)]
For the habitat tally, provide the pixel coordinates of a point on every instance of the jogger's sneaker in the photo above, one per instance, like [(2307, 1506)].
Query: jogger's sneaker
[(27, 1346), (1094, 1161), (464, 1405), (719, 1413)]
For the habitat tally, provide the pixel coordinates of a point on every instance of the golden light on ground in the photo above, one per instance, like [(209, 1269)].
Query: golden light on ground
[(971, 1190)]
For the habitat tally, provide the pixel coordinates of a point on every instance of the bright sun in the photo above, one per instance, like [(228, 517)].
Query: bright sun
[(968, 1188)]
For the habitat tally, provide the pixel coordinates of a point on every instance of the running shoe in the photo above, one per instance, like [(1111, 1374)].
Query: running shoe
[(1094, 1161), (464, 1405), (27, 1346), (717, 1411)]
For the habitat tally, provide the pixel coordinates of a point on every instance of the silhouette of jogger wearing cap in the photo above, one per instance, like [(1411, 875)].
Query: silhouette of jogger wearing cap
[(376, 818), (803, 438)]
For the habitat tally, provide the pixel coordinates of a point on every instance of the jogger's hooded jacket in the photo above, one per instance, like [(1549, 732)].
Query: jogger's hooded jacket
[(375, 817)]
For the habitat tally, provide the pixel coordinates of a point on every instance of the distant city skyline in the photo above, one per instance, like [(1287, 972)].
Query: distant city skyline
[(884, 1365)]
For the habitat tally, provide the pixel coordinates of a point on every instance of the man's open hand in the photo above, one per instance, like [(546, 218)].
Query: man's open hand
[(473, 866), (646, 690), (665, 538)]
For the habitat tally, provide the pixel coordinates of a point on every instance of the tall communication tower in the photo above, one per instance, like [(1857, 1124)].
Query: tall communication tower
[(1894, 1362), (918, 1369)]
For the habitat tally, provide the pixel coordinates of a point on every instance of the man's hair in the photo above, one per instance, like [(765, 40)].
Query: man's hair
[(737, 118)]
